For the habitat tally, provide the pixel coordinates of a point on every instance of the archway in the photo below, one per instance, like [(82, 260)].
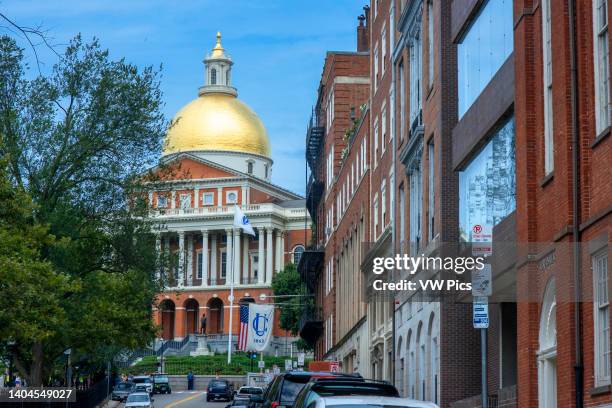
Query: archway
[(547, 352), (167, 319), (215, 316), (192, 308)]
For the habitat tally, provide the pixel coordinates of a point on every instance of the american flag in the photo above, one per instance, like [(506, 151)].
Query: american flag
[(244, 327)]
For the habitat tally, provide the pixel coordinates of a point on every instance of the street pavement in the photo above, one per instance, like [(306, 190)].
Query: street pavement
[(183, 399)]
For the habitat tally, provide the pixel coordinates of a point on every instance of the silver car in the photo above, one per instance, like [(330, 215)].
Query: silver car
[(122, 390), (369, 402), (139, 400)]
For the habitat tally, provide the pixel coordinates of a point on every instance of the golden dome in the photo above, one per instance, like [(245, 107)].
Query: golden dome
[(217, 121)]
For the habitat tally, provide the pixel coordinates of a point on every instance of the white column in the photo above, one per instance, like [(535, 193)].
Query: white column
[(214, 272), (261, 262), (219, 197), (181, 265), (269, 259), (228, 255), (204, 257), (282, 255), (236, 270), (196, 198), (173, 203), (277, 250), (245, 259), (190, 260), (158, 250), (166, 249), (150, 206)]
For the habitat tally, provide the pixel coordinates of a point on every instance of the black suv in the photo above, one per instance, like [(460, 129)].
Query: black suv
[(219, 389), (285, 387), (161, 384), (331, 387)]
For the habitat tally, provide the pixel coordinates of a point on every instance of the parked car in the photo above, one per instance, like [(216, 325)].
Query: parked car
[(328, 387), (219, 389), (284, 388), (143, 383), (247, 392), (121, 391), (161, 384), (369, 401), (139, 400), (239, 403)]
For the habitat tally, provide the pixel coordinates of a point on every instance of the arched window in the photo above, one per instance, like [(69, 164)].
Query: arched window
[(213, 76), (298, 250), (547, 353)]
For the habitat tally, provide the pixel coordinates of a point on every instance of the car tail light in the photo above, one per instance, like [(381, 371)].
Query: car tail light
[(274, 404)]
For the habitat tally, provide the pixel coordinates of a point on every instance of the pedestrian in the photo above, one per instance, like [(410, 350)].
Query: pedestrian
[(190, 380), (18, 382)]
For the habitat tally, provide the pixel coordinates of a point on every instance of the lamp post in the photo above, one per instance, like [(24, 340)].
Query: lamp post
[(67, 353)]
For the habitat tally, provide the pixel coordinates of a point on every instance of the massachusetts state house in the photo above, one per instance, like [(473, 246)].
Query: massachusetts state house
[(222, 151)]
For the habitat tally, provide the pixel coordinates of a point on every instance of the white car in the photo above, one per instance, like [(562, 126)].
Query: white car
[(369, 402), (143, 383), (139, 400)]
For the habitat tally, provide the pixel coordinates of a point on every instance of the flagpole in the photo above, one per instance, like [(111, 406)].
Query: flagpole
[(231, 308)]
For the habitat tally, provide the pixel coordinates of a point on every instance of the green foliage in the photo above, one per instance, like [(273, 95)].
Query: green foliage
[(206, 365), (291, 292), (77, 258)]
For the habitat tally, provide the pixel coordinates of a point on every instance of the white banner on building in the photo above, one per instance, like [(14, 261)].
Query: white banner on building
[(261, 322)]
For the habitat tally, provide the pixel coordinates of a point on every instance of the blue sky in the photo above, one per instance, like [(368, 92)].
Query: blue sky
[(278, 48)]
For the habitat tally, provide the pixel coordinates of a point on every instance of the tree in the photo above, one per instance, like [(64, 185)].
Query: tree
[(78, 258), (293, 295)]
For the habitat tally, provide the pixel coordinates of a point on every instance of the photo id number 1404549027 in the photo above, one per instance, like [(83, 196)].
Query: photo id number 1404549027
[(31, 394)]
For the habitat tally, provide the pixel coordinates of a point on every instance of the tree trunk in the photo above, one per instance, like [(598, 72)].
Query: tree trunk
[(33, 376)]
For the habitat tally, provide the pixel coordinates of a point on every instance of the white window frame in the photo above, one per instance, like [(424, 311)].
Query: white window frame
[(383, 129), (205, 196), (549, 163), (254, 258), (376, 50), (199, 264), (431, 186), (376, 131), (185, 201), (601, 47), (383, 57), (375, 216), (430, 42), (416, 76), (601, 315), (227, 197), (383, 201), (402, 86), (223, 275)]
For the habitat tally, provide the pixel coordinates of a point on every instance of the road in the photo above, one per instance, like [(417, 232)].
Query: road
[(184, 399)]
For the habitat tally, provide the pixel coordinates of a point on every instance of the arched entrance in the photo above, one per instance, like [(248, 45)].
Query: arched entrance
[(192, 308), (214, 319), (547, 353), (167, 319)]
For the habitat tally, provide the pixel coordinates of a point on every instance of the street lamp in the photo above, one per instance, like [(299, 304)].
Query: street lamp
[(67, 353)]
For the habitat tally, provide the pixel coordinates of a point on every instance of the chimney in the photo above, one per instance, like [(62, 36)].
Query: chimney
[(363, 31)]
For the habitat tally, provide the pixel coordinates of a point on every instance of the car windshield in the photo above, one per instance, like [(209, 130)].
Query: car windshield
[(250, 390), (141, 380), (138, 398), (218, 384), (124, 386), (161, 379)]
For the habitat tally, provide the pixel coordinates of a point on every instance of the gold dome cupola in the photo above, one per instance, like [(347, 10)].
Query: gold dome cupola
[(217, 121)]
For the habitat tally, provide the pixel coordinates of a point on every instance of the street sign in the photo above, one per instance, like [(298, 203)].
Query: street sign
[(261, 364), (482, 282), (482, 240), (300, 361), (481, 313), (288, 365), (334, 367)]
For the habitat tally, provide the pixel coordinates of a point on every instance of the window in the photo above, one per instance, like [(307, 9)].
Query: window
[(601, 303), (231, 197), (548, 109), (375, 142), (250, 167), (224, 263), (265, 170), (384, 126), (208, 199), (213, 76), (402, 90), (430, 42), (375, 216), (431, 187), (330, 110), (375, 67), (227, 77), (383, 201), (416, 205), (162, 201), (330, 167), (199, 265), (185, 201), (298, 250), (384, 49), (255, 264), (483, 49), (416, 71), (487, 185), (602, 65)]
